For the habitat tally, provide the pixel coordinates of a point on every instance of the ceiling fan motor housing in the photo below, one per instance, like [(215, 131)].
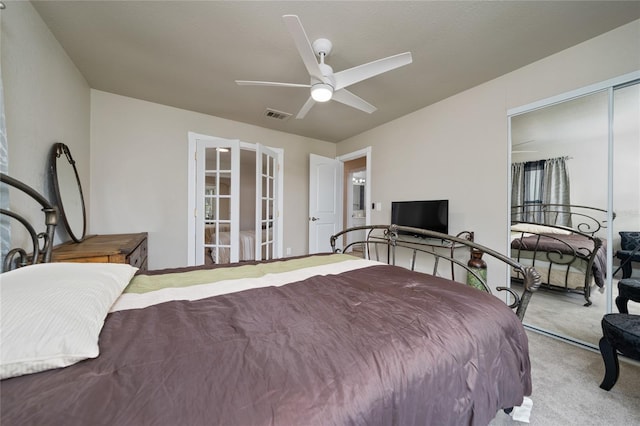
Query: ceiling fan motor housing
[(322, 46)]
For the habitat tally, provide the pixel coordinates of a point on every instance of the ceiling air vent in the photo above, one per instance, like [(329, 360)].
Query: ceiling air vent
[(276, 115)]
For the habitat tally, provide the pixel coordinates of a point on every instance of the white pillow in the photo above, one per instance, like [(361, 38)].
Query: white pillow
[(539, 229), (51, 314)]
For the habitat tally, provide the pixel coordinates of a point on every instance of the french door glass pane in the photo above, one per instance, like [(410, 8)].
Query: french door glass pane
[(217, 205), (267, 181), (225, 159)]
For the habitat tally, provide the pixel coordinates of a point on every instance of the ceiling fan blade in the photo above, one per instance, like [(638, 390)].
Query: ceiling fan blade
[(269, 83), (362, 72), (305, 108), (304, 46), (346, 97)]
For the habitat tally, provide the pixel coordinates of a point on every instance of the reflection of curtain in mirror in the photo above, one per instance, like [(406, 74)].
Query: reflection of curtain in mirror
[(556, 191), (540, 182), (526, 190)]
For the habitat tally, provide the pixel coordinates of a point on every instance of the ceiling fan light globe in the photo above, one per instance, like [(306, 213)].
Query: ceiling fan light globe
[(321, 92)]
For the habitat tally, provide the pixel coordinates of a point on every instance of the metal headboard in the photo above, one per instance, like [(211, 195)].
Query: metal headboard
[(42, 243), (388, 236), (585, 219)]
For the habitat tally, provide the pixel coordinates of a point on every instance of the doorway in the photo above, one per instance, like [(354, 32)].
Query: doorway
[(357, 185), (235, 201), (354, 213), (337, 194)]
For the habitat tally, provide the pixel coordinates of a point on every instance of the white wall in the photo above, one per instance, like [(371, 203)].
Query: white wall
[(458, 148), (139, 172), (46, 100)]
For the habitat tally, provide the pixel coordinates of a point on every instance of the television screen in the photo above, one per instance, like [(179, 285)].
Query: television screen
[(432, 215)]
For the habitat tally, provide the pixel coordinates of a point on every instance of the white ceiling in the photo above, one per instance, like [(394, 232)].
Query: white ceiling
[(188, 54)]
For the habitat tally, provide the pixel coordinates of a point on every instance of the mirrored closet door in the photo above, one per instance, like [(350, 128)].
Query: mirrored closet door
[(625, 188), (575, 159)]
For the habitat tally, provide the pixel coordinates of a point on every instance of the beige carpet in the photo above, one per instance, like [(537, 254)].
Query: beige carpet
[(566, 380), (564, 313)]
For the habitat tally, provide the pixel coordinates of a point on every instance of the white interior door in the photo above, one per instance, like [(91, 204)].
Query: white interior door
[(266, 203), (218, 189), (217, 212), (325, 201)]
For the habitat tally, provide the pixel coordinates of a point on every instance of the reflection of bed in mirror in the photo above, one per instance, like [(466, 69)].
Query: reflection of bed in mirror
[(560, 242), (246, 247)]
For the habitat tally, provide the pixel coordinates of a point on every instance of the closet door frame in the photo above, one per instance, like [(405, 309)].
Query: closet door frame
[(608, 86)]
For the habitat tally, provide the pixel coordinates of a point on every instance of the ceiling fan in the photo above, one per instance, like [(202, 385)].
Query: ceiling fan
[(324, 83)]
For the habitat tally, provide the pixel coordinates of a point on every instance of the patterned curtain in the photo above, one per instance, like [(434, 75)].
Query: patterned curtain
[(541, 182), (5, 229), (556, 191)]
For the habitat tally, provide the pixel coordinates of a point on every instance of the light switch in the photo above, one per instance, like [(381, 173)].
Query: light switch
[(378, 206)]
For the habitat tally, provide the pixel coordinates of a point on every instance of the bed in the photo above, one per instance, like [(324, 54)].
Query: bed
[(321, 339), (562, 243), (222, 253)]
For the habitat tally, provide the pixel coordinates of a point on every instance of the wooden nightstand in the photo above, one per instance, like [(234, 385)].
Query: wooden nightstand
[(114, 248)]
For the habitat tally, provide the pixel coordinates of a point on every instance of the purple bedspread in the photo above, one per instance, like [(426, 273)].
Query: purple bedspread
[(376, 346)]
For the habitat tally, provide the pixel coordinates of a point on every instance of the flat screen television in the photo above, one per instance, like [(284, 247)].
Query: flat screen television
[(432, 215)]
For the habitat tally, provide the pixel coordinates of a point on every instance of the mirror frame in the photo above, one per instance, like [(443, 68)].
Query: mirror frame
[(57, 152)]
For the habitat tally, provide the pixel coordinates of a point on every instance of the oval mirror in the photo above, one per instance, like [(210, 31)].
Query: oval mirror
[(68, 191)]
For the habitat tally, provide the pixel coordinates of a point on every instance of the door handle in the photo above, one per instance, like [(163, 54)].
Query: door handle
[(313, 219)]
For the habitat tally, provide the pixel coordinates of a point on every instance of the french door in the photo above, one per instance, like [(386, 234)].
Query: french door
[(221, 197), (218, 203), (266, 197)]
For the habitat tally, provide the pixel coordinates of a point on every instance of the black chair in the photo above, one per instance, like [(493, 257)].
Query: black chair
[(629, 252), (620, 332), (628, 289)]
